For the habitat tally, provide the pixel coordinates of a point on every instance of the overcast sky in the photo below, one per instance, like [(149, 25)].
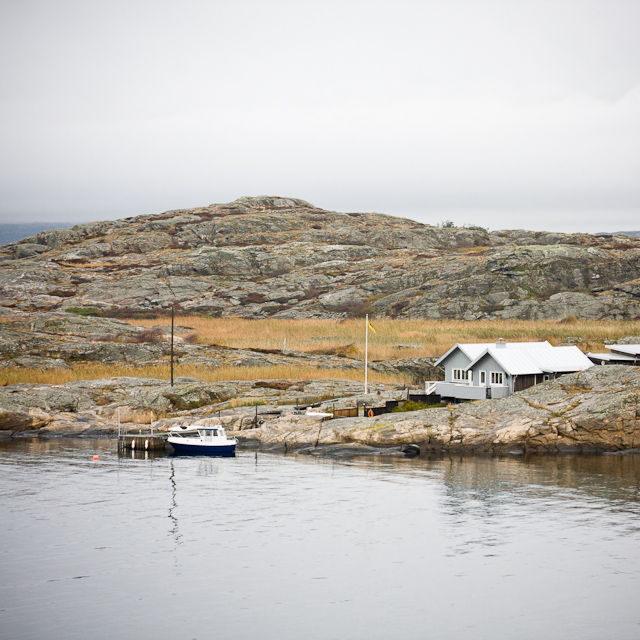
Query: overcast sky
[(505, 114)]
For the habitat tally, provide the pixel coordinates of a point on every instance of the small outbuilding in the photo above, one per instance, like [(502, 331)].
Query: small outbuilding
[(495, 370), (620, 354)]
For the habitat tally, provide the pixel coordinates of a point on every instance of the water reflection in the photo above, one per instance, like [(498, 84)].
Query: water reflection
[(483, 499), (483, 475), (174, 505), (141, 454)]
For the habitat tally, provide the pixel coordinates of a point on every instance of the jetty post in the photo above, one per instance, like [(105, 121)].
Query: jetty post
[(141, 442)]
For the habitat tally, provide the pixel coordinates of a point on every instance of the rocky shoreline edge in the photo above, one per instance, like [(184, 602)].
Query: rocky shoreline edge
[(595, 411)]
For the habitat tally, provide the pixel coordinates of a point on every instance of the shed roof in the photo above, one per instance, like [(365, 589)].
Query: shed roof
[(474, 349), (628, 349), (517, 362), (610, 357)]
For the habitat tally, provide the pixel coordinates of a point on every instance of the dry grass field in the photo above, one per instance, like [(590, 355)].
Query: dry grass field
[(420, 337), (94, 372)]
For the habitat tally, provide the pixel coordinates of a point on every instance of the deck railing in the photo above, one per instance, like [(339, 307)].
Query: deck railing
[(430, 387)]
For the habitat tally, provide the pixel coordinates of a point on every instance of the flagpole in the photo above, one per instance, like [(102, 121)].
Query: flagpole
[(366, 353)]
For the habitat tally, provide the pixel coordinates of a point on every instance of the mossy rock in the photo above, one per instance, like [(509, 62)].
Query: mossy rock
[(193, 396)]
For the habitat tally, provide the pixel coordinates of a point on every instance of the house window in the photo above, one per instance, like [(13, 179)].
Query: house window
[(545, 378), (460, 375), (483, 378), (496, 377)]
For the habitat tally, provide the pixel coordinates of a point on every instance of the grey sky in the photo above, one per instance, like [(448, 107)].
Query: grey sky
[(499, 113)]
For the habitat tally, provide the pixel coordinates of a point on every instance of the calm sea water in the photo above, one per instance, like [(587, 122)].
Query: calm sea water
[(293, 547)]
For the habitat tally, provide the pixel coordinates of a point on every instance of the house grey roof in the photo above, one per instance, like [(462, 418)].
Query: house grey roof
[(473, 349), (549, 359)]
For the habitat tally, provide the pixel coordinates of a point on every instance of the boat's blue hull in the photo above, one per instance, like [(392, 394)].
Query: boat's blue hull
[(203, 450)]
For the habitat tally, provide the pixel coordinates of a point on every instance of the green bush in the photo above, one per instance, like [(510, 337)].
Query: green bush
[(410, 405), (123, 312), (84, 311)]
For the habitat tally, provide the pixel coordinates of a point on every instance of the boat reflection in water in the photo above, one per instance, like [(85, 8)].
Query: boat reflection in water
[(201, 440)]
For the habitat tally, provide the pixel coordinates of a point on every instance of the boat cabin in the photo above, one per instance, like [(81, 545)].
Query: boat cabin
[(209, 433), (198, 431)]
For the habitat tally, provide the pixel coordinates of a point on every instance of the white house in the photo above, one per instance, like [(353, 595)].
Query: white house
[(496, 370), (620, 354)]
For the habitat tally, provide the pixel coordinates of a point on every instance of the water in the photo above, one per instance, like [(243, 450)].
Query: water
[(294, 547)]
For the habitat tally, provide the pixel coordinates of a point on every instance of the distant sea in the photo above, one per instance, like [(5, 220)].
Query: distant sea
[(636, 234), (14, 232)]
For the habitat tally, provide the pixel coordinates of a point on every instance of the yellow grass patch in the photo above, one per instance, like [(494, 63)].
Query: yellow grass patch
[(431, 337), (94, 372)]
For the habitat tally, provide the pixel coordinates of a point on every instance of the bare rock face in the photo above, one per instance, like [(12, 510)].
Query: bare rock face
[(283, 257), (26, 419)]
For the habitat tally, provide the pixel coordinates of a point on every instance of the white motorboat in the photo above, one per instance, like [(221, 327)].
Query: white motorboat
[(201, 440)]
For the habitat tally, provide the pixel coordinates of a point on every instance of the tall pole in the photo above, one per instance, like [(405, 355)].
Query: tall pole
[(366, 353), (173, 308)]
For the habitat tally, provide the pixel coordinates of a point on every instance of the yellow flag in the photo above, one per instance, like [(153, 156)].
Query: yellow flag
[(370, 327)]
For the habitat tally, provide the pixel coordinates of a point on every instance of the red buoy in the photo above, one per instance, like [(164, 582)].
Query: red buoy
[(95, 458)]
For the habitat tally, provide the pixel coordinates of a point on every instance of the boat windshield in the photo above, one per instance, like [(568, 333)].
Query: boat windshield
[(208, 433)]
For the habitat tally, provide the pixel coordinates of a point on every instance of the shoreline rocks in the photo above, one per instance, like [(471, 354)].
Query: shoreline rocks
[(595, 411)]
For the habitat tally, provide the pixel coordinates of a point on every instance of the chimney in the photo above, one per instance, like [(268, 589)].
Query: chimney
[(501, 344)]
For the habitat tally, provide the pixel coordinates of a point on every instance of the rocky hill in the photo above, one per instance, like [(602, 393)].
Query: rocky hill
[(268, 256)]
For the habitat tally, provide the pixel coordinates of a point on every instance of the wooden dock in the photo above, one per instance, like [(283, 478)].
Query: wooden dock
[(141, 442)]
